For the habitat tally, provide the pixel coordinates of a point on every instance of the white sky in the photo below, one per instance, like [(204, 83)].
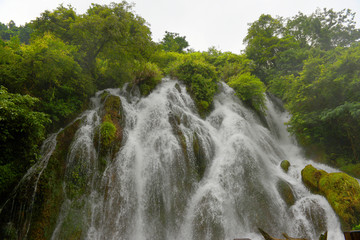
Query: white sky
[(205, 23)]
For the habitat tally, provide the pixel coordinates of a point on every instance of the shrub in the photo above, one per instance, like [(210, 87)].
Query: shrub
[(200, 78), (250, 89), (107, 133), (147, 76)]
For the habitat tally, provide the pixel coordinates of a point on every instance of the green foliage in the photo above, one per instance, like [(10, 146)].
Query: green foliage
[(325, 28), (112, 36), (11, 30), (173, 42), (351, 169), (21, 131), (324, 102), (46, 69), (107, 133), (200, 78), (250, 89), (58, 22), (165, 59), (147, 76)]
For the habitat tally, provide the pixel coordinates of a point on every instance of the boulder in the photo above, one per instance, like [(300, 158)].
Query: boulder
[(286, 192), (341, 190), (285, 165)]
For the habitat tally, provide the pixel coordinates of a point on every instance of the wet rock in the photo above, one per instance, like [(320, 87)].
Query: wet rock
[(110, 132), (200, 157), (285, 165), (311, 176), (286, 192), (49, 195), (341, 191), (175, 122), (177, 86)]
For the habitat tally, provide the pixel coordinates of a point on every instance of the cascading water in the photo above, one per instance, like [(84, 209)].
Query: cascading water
[(178, 176)]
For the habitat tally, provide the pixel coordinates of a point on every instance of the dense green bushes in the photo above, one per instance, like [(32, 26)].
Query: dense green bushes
[(21, 131), (250, 89), (147, 76), (200, 78)]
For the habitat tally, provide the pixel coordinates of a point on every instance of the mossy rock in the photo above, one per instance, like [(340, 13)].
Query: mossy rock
[(177, 86), (341, 190), (286, 192), (200, 157), (343, 193), (110, 132), (107, 133), (285, 165), (174, 123), (49, 195), (103, 96), (311, 176)]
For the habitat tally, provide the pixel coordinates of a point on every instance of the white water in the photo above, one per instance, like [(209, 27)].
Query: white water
[(152, 188)]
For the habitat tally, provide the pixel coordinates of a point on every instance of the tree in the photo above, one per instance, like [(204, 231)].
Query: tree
[(250, 89), (112, 36), (55, 77), (21, 131), (58, 22), (265, 42), (173, 42), (325, 28), (11, 30), (46, 69)]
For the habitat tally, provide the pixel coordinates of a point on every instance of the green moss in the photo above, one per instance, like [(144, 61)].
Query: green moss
[(111, 129), (356, 227), (107, 134), (343, 193), (285, 165), (112, 105), (200, 159), (74, 222), (103, 95), (341, 190), (175, 122), (50, 195), (311, 177), (286, 193)]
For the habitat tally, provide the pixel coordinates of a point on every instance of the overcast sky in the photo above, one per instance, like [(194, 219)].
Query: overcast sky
[(205, 23)]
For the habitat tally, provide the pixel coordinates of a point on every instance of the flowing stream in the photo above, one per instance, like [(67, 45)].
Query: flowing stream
[(179, 176)]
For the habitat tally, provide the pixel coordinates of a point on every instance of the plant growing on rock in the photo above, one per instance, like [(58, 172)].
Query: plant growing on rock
[(200, 78), (250, 89), (107, 133), (147, 76)]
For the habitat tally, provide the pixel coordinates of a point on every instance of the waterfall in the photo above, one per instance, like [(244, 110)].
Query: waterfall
[(179, 176)]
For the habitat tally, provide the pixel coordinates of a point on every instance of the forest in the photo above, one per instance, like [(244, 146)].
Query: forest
[(50, 67)]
